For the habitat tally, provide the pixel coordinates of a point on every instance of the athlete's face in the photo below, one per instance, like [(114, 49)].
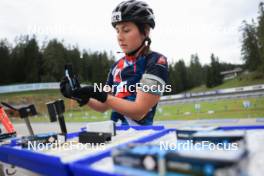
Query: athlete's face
[(128, 36)]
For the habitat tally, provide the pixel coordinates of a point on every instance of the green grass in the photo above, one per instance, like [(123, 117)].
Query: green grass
[(243, 80), (39, 98), (86, 115), (222, 109)]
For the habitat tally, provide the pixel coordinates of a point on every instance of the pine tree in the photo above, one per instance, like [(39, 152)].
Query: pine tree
[(32, 61), (250, 48), (5, 63), (260, 35), (213, 73), (195, 72), (180, 77), (54, 60)]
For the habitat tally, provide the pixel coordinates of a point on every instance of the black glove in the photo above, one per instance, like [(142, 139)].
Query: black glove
[(66, 91), (65, 88), (90, 91), (81, 95)]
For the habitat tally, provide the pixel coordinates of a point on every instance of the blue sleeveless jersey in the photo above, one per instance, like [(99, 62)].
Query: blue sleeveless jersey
[(129, 71)]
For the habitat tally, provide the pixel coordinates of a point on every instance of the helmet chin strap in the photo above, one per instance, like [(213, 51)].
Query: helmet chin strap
[(146, 40)]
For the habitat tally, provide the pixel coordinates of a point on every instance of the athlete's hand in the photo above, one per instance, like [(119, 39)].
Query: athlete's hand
[(66, 91), (90, 92)]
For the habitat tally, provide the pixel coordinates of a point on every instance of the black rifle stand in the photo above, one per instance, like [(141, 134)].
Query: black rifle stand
[(24, 113), (56, 110)]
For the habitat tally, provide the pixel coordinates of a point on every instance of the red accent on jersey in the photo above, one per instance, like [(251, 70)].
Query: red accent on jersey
[(123, 94), (118, 70), (130, 58), (161, 61)]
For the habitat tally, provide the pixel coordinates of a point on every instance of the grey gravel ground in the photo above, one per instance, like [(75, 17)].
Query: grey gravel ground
[(75, 126)]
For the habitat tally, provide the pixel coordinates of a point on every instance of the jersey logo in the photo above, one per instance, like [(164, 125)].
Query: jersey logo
[(162, 61)]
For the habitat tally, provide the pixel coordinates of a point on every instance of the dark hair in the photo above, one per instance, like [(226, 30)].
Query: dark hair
[(142, 28)]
